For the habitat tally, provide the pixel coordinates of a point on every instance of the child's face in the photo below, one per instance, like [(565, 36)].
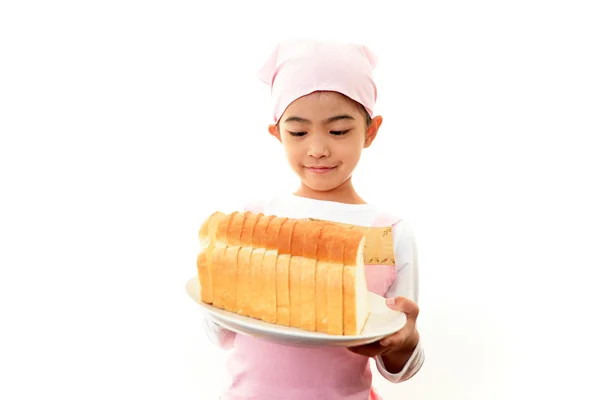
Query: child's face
[(323, 135)]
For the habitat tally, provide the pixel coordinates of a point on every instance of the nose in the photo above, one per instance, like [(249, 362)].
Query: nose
[(318, 148)]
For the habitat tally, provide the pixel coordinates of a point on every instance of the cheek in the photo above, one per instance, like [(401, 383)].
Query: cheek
[(293, 152), (351, 152)]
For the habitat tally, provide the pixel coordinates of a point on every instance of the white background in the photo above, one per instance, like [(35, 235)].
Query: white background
[(120, 119)]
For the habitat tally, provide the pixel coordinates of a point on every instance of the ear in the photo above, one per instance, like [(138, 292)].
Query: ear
[(372, 130), (274, 131)]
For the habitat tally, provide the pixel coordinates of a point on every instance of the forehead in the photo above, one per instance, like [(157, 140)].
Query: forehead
[(321, 105)]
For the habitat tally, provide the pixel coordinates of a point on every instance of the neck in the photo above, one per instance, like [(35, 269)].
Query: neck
[(345, 193)]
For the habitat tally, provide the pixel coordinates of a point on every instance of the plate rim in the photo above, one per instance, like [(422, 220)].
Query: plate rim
[(283, 331)]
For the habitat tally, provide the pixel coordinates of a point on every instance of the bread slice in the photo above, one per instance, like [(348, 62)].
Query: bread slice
[(207, 236), (335, 279), (256, 260), (321, 277), (243, 265), (229, 267), (356, 300), (282, 273), (219, 284), (308, 277), (296, 263), (268, 309), (205, 282)]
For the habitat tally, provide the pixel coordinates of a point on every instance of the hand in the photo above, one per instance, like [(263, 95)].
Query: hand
[(405, 340)]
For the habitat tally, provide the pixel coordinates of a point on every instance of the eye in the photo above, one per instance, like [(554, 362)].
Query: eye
[(297, 134), (339, 133)]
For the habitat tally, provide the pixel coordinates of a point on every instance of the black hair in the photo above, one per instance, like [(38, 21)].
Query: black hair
[(367, 116)]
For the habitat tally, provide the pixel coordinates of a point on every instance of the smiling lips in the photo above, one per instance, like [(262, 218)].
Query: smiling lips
[(319, 169)]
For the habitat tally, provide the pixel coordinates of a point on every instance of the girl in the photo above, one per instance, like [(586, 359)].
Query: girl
[(323, 99)]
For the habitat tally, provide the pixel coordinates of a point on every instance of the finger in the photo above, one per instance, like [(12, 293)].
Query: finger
[(398, 338), (364, 352), (366, 347), (405, 305), (368, 350)]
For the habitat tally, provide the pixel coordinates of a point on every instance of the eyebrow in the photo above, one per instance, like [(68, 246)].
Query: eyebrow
[(327, 121)]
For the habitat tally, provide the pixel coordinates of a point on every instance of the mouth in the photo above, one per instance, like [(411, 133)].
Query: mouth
[(319, 169)]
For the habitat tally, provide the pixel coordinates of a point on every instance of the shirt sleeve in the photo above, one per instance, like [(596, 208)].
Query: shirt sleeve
[(406, 285), (216, 334)]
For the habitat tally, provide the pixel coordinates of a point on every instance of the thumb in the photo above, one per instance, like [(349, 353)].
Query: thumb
[(404, 305)]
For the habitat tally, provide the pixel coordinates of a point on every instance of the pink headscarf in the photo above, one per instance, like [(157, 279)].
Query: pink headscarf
[(301, 66)]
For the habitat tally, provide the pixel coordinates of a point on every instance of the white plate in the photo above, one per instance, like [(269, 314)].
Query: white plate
[(382, 322)]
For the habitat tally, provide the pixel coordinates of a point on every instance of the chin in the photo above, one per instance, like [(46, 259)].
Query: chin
[(321, 186)]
